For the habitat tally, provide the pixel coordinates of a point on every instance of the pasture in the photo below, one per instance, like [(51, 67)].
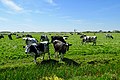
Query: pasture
[(81, 62)]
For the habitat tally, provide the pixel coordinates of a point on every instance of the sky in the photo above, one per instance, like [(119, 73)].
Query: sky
[(59, 15)]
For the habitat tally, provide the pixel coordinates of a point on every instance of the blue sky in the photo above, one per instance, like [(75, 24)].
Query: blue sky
[(59, 15)]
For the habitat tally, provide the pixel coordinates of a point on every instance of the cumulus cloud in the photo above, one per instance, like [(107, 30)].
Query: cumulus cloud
[(12, 5)]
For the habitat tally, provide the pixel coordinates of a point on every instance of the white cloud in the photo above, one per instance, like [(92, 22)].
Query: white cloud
[(12, 5), (51, 2), (3, 19)]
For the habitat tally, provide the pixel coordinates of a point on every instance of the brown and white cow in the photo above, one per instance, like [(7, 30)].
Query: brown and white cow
[(61, 48), (57, 38)]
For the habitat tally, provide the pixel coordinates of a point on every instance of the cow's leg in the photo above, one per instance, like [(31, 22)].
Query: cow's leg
[(43, 56), (56, 54), (62, 56), (82, 42), (35, 57), (94, 42), (48, 55)]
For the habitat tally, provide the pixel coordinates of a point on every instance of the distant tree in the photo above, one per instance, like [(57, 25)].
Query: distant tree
[(116, 31), (100, 31), (109, 32), (75, 30)]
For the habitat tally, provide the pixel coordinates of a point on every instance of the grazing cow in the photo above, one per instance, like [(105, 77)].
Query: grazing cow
[(65, 37), (28, 35), (88, 39), (78, 33), (44, 38), (29, 40), (17, 36), (10, 36), (109, 36), (71, 33), (36, 49), (61, 48), (1, 36), (57, 38)]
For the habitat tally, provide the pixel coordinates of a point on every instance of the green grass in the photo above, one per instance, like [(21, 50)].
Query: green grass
[(81, 62)]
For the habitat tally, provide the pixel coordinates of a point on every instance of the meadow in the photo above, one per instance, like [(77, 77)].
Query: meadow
[(81, 62)]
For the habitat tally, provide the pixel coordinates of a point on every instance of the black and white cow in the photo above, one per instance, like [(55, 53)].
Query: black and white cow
[(44, 38), (109, 36), (17, 36), (87, 39), (61, 48), (28, 35), (36, 49), (65, 37), (1, 36), (57, 38), (10, 36)]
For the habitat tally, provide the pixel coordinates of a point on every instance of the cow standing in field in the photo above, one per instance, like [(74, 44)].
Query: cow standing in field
[(109, 36), (44, 38), (1, 36), (87, 39), (61, 48), (10, 36), (36, 49), (57, 38), (28, 35), (17, 36)]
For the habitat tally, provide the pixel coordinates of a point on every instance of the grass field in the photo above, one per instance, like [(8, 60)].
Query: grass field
[(81, 62)]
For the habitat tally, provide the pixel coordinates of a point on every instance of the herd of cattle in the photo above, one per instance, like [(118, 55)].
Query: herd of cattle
[(36, 49)]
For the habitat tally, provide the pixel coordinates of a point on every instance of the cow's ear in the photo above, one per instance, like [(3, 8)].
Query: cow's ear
[(70, 44)]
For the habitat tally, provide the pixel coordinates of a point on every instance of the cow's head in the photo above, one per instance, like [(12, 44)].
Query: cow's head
[(30, 49), (83, 35), (67, 46)]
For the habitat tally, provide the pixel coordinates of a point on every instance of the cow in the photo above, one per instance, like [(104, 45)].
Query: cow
[(10, 36), (65, 37), (36, 49), (61, 48), (57, 38), (1, 36), (86, 39), (28, 35), (17, 36), (78, 33), (71, 33), (44, 38), (109, 36)]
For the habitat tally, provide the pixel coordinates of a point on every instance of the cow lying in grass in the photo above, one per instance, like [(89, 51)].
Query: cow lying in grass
[(87, 39), (36, 49), (61, 48)]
